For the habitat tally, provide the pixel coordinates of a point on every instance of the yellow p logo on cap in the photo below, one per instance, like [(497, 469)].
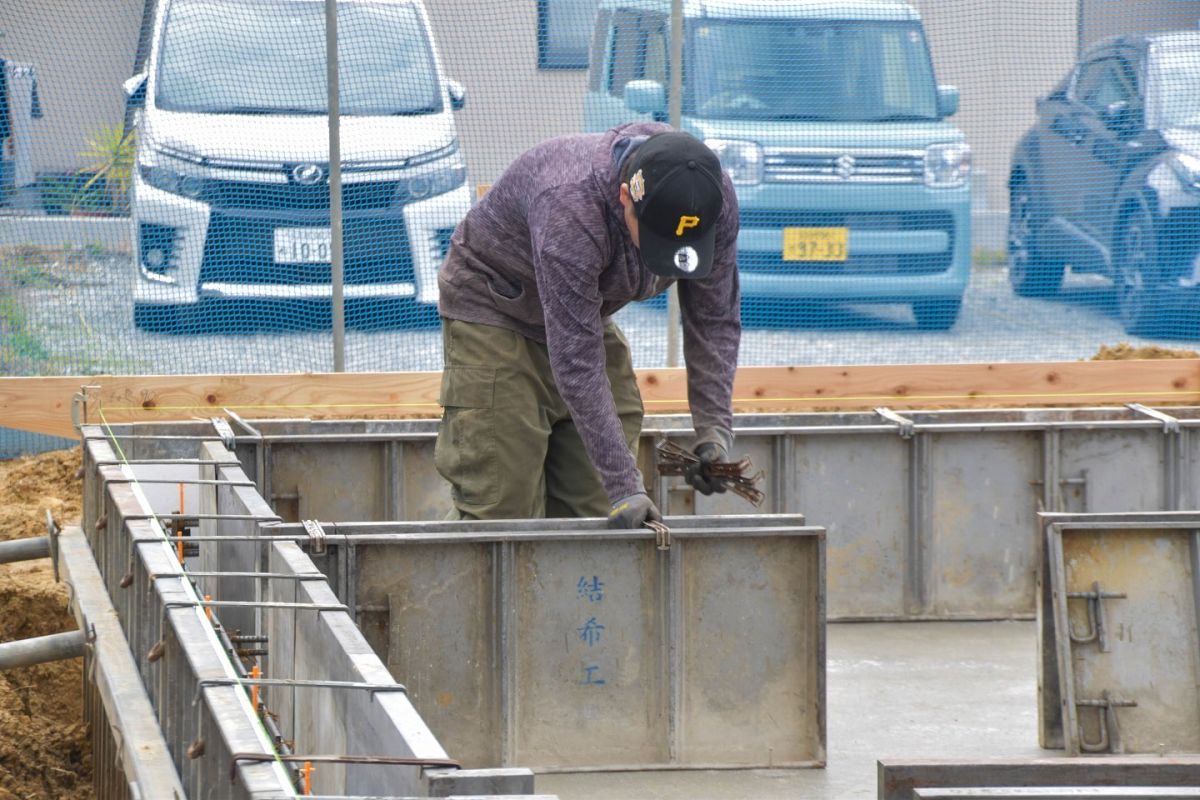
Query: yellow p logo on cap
[(686, 222)]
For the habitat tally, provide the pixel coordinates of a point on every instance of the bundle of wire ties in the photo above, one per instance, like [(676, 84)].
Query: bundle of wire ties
[(738, 477)]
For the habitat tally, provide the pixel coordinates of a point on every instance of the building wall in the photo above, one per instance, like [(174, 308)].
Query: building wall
[(491, 47), (1001, 56), (1101, 18), (83, 50)]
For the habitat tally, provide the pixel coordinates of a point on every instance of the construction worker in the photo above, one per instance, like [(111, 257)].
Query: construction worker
[(541, 409)]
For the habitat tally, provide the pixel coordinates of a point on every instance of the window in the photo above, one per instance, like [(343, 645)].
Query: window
[(598, 79), (564, 33), (1102, 83), (640, 51)]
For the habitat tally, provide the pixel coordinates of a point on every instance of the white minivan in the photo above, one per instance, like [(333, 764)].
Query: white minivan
[(230, 194)]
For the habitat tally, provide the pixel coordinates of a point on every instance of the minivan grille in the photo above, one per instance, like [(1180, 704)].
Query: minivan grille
[(373, 195), (843, 166), (855, 264)]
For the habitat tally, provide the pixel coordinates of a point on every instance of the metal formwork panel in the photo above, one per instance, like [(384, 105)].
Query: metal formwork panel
[(900, 779), (340, 706), (1124, 607), (569, 646), (1095, 468), (203, 717), (868, 530), (979, 533), (921, 505), (129, 755)]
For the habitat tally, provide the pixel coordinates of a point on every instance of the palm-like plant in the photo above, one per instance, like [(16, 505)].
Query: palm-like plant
[(110, 153)]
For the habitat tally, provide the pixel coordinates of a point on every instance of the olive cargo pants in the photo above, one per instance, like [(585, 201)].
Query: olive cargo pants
[(506, 442)]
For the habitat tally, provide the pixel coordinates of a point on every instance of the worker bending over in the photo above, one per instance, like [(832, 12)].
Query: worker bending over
[(541, 409)]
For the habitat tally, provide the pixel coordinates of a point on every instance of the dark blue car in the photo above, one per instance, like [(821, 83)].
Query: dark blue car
[(1108, 179)]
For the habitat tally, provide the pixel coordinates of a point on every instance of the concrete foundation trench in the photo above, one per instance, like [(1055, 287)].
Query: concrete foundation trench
[(929, 604)]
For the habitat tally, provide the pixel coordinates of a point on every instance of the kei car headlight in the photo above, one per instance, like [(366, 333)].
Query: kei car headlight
[(947, 166), (171, 181), (742, 159)]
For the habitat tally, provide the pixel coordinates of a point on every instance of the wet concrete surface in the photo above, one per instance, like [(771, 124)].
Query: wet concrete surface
[(894, 690)]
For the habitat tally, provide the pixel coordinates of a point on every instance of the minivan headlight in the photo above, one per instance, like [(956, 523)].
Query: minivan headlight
[(947, 166), (740, 158), (171, 181), (430, 184)]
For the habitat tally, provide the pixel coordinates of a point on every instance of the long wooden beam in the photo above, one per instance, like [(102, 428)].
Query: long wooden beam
[(43, 405)]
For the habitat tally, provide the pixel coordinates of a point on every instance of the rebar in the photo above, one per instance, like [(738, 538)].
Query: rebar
[(737, 476)]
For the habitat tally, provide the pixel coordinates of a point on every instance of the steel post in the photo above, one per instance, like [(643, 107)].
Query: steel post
[(24, 549), (41, 649)]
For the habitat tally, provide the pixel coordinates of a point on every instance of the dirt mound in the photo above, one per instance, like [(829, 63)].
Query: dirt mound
[(1127, 352), (45, 751)]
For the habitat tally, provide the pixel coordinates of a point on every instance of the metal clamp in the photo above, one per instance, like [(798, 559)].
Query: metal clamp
[(1097, 629), (316, 537), (906, 427), (662, 534), (79, 406), (1110, 731), (225, 432), (1170, 424), (52, 532)]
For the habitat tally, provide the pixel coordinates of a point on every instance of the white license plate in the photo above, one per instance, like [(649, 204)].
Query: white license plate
[(303, 246)]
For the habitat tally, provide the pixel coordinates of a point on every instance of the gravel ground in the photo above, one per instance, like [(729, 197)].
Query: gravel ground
[(85, 327)]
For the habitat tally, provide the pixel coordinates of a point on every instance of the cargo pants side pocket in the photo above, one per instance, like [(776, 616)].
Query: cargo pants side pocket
[(465, 452)]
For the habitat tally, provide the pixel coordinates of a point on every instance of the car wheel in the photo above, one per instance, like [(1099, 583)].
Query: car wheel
[(1030, 271), (937, 315), (1137, 272), (154, 318)]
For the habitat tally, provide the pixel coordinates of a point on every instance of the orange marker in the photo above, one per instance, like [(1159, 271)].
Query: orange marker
[(207, 609), (307, 771), (255, 672)]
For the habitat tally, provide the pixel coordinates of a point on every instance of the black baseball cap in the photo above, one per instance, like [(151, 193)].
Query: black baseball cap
[(675, 183)]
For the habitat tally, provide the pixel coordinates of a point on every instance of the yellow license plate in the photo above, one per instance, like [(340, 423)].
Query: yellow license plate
[(816, 244)]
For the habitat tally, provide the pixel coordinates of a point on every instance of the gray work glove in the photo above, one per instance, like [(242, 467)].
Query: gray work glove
[(633, 512), (697, 475)]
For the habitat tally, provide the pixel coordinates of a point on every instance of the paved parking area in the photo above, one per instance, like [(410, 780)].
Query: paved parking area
[(86, 327)]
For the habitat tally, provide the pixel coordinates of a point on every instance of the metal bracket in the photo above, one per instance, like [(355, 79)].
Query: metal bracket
[(1097, 629), (662, 534), (79, 406), (316, 537), (52, 531), (1110, 731), (906, 427), (1170, 424), (225, 432)]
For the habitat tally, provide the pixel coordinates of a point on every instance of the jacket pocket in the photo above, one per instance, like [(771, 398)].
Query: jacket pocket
[(465, 451), (516, 302)]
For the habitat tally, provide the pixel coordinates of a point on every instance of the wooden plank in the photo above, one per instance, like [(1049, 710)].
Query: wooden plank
[(43, 404), (898, 779)]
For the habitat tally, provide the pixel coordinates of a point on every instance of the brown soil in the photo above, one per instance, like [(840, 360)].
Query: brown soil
[(1127, 352), (45, 752)]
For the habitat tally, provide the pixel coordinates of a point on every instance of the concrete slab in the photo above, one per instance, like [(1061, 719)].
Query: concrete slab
[(895, 690)]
